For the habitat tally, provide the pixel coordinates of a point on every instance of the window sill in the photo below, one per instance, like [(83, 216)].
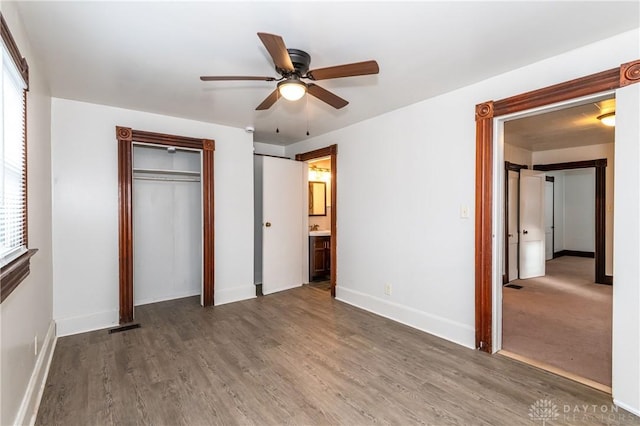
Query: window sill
[(12, 274)]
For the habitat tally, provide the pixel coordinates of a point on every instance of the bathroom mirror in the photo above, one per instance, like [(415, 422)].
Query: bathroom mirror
[(317, 199)]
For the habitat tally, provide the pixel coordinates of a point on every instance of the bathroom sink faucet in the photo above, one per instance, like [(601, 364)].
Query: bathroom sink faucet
[(314, 227)]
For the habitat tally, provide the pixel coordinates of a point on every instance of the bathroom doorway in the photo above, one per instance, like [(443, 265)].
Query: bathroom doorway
[(325, 161)]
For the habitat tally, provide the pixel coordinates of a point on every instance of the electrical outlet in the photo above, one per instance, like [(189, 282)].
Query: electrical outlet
[(35, 345), (387, 289)]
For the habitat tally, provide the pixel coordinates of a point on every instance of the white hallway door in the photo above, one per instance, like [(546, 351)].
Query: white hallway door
[(283, 225), (532, 229)]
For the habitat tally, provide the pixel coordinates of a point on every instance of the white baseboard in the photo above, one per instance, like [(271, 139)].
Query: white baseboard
[(633, 410), (91, 322), (236, 294), (31, 401), (453, 331), (279, 289)]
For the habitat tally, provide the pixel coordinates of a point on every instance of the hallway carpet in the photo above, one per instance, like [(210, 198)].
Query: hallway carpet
[(562, 319)]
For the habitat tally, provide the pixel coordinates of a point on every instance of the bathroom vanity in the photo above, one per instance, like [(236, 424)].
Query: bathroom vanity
[(319, 255)]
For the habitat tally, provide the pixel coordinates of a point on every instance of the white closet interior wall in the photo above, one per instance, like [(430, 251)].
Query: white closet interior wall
[(167, 223)]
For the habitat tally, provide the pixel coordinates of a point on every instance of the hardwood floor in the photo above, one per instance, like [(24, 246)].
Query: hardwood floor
[(295, 357)]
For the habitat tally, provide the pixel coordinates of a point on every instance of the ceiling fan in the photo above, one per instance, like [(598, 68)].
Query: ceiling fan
[(293, 66)]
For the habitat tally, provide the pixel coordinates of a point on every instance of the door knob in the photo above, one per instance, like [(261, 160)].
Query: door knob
[(268, 224), (510, 235), (524, 231)]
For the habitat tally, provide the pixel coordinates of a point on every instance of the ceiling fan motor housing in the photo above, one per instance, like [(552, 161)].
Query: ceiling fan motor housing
[(301, 61)]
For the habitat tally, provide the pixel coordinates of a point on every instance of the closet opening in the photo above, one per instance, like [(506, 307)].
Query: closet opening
[(166, 218), (167, 223)]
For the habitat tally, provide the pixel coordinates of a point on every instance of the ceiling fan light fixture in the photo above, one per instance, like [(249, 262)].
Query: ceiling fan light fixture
[(608, 119), (292, 89)]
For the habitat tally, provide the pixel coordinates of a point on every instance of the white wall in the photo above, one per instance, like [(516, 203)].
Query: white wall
[(26, 315), (517, 155), (268, 149), (408, 224), (626, 264), (85, 209), (591, 152)]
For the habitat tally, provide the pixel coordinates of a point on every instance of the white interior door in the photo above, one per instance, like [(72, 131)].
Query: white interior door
[(512, 224), (548, 220), (532, 235), (283, 227)]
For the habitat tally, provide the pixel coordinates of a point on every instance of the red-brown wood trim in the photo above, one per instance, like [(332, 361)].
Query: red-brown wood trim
[(334, 218), (318, 153), (125, 223), (19, 60), (484, 129), (601, 210), (589, 85), (25, 171), (331, 151), (571, 165), (126, 136), (16, 271), (629, 73), (595, 83), (209, 228), (166, 140), (13, 273)]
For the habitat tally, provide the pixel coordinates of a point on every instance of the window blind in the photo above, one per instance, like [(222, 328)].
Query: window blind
[(13, 162)]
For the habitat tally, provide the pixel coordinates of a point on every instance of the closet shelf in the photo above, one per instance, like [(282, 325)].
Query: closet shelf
[(165, 172)]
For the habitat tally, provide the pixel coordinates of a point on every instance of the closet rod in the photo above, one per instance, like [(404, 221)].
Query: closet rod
[(165, 179)]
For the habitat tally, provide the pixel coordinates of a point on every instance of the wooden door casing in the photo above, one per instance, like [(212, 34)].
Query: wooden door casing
[(125, 137), (331, 151), (624, 75)]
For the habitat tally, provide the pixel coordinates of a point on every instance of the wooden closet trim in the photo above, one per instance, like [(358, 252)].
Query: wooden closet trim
[(601, 209), (612, 79), (126, 137), (329, 151)]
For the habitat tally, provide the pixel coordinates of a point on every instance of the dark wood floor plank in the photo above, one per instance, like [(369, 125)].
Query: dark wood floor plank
[(295, 357)]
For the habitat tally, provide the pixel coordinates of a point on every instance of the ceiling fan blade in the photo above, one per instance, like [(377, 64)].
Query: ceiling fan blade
[(278, 51), (326, 96), (234, 77), (347, 70), (269, 101)]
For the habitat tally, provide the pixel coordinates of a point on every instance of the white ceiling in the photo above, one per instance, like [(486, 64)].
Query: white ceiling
[(564, 128), (149, 55)]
